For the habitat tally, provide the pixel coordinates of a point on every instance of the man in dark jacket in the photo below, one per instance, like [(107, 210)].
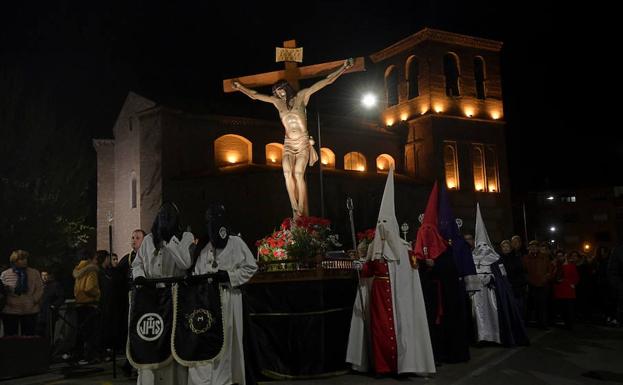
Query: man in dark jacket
[(53, 298)]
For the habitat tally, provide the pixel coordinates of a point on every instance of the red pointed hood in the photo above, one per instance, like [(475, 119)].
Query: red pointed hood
[(429, 243)]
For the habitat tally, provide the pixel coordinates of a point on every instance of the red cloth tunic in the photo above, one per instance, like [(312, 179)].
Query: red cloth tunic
[(381, 317)]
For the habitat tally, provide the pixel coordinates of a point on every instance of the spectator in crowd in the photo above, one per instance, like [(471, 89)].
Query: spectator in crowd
[(615, 275), (87, 294), (518, 247), (24, 290), (538, 269), (605, 295), (105, 280), (586, 289), (122, 275), (114, 260), (565, 278), (53, 298)]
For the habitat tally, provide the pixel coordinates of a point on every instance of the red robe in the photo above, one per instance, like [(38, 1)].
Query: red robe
[(381, 317)]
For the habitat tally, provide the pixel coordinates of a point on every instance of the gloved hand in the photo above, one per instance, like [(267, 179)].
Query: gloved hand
[(221, 276), (357, 265)]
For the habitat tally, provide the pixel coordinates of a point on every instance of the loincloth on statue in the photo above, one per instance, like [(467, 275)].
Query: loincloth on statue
[(299, 147)]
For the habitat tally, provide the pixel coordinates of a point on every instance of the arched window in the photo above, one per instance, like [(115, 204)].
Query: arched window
[(491, 162), (230, 150), (133, 191), (451, 165), (391, 86), (452, 73), (384, 162), (274, 153), (413, 73), (354, 161), (479, 168), (479, 76), (327, 158)]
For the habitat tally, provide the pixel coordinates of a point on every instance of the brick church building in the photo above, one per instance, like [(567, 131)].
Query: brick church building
[(442, 119)]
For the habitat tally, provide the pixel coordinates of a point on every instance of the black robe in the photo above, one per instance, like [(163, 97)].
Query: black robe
[(512, 328), (444, 295)]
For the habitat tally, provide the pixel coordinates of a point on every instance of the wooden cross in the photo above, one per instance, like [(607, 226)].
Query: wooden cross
[(292, 72)]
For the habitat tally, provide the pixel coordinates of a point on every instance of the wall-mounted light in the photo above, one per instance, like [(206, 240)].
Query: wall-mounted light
[(469, 112), (232, 158), (389, 122), (404, 116), (495, 115)]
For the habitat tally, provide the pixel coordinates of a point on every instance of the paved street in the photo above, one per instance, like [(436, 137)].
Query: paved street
[(588, 355)]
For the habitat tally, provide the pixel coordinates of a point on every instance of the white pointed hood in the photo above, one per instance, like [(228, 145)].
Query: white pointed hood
[(484, 254), (387, 242)]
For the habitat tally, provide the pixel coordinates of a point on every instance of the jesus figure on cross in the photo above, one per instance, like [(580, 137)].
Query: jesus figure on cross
[(298, 146)]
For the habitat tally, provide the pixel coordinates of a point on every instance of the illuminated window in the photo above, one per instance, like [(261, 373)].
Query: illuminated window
[(479, 76), (413, 73), (452, 73), (478, 158), (230, 150), (491, 163), (384, 162), (451, 165), (485, 164), (274, 153), (354, 161), (391, 86), (327, 158)]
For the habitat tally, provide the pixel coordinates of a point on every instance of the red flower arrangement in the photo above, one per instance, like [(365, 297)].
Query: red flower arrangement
[(297, 239)]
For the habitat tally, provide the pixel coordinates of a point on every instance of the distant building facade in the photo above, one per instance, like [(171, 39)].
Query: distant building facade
[(442, 120)]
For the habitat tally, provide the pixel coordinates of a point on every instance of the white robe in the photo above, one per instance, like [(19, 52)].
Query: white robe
[(415, 352), (237, 260), (484, 302), (172, 260)]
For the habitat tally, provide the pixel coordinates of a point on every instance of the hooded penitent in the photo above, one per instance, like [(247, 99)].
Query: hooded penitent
[(217, 226), (407, 316), (429, 244), (387, 242), (483, 253), (484, 302), (166, 224), (450, 231)]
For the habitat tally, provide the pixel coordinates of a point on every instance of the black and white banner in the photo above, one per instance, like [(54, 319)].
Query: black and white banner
[(149, 333), (198, 325)]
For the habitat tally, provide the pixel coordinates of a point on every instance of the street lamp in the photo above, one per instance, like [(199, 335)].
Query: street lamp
[(552, 229), (369, 100)]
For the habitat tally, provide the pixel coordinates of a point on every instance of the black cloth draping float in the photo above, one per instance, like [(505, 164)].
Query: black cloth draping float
[(298, 329)]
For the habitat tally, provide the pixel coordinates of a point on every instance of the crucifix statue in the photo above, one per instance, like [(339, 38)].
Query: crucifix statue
[(290, 102)]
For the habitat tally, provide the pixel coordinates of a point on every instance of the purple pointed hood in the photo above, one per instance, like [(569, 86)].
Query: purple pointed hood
[(450, 231)]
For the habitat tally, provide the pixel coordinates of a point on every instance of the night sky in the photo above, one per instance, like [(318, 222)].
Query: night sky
[(76, 61)]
